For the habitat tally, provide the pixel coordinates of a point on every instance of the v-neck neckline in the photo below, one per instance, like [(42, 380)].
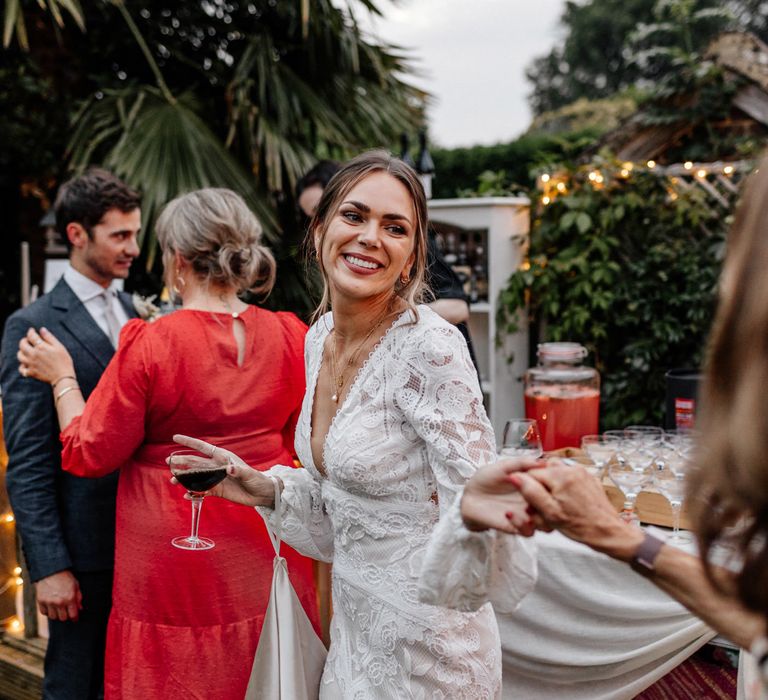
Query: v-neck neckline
[(321, 469)]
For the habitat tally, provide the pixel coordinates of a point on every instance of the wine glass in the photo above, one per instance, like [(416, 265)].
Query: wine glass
[(521, 439), (649, 430), (198, 474), (669, 480), (643, 443), (600, 449), (631, 474), (616, 436)]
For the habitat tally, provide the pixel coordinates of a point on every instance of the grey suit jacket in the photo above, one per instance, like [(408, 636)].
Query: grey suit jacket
[(65, 522)]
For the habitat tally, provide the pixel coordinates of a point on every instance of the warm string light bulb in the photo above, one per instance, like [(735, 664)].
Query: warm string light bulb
[(17, 571), (728, 169), (19, 581), (15, 625), (688, 165), (701, 173), (651, 164), (545, 177)]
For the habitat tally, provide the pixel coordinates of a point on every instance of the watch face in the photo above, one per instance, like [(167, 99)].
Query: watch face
[(647, 552)]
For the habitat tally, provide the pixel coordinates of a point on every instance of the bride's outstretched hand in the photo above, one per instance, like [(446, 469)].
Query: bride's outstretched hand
[(491, 500), (243, 484)]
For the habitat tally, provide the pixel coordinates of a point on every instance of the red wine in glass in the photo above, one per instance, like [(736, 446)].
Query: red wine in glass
[(198, 474), (200, 481)]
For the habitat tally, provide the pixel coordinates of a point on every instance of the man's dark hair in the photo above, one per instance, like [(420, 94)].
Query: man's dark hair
[(320, 174), (86, 198)]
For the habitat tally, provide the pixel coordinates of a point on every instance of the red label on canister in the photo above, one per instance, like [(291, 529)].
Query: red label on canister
[(684, 410)]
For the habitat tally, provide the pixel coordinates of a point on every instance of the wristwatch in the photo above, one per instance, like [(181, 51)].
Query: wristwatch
[(645, 556)]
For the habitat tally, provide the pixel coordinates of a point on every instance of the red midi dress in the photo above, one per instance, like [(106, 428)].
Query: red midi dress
[(185, 624)]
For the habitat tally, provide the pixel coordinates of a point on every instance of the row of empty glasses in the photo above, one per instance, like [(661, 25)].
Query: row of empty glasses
[(635, 458), (639, 457)]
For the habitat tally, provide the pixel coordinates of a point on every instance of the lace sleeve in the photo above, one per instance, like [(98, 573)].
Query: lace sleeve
[(441, 398), (306, 526)]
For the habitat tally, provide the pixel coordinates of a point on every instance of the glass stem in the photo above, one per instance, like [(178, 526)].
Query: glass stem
[(676, 508), (629, 508), (197, 504)]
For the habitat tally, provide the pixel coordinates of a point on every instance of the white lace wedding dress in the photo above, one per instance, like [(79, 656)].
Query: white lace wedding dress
[(411, 430)]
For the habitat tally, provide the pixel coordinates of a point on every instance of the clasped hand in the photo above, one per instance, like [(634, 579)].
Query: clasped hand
[(520, 496), (244, 484)]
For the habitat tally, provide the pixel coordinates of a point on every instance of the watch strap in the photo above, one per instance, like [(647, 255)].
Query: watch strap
[(645, 556)]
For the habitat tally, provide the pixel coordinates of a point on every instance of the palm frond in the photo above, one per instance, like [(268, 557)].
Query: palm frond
[(13, 18), (163, 149)]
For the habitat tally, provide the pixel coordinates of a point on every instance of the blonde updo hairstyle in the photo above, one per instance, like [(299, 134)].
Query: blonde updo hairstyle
[(350, 174), (215, 231)]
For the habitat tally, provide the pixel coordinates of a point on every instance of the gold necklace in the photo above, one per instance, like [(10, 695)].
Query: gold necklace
[(338, 377)]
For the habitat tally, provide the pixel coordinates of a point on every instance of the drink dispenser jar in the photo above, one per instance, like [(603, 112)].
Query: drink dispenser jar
[(562, 395)]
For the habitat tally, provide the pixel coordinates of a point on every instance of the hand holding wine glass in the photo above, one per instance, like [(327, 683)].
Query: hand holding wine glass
[(243, 485), (198, 474)]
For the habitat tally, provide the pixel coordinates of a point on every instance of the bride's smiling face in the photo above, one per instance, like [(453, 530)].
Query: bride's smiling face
[(368, 243)]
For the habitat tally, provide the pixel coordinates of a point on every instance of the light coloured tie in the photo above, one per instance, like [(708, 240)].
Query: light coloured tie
[(111, 318)]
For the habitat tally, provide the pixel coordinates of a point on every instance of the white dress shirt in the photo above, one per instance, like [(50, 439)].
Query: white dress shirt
[(91, 294)]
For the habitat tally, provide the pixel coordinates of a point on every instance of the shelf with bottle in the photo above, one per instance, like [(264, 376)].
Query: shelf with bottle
[(486, 239), (465, 252)]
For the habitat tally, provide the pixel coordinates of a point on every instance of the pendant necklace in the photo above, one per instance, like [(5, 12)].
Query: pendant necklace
[(338, 377)]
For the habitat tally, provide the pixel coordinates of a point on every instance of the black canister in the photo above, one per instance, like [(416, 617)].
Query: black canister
[(682, 391)]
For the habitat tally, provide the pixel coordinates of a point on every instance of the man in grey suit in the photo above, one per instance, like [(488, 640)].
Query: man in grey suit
[(67, 523)]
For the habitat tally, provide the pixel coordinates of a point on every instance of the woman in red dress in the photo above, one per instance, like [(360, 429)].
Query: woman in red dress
[(185, 624)]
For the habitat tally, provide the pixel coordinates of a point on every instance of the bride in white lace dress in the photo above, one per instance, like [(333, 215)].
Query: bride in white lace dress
[(391, 428)]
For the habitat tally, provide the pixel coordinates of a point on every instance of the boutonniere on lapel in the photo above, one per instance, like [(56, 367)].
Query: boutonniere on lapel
[(145, 308)]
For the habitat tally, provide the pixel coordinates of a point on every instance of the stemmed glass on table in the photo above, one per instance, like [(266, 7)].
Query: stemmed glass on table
[(198, 474), (521, 439), (669, 480), (600, 449), (633, 469)]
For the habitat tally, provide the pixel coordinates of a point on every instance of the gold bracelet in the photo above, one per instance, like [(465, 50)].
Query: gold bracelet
[(64, 391), (66, 376)]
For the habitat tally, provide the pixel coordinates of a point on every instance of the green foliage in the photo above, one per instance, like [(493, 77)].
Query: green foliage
[(456, 168), (598, 116), (630, 271), (175, 96), (610, 45), (162, 147), (668, 53), (15, 24), (590, 61), (490, 183)]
